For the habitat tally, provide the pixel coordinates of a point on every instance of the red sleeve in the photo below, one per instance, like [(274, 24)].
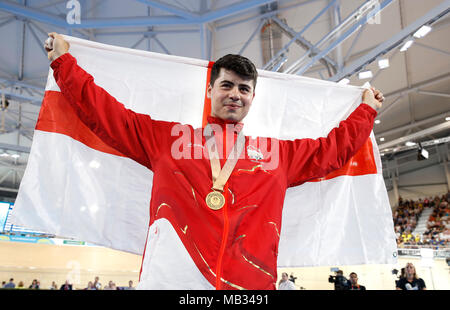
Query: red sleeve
[(132, 134), (307, 159)]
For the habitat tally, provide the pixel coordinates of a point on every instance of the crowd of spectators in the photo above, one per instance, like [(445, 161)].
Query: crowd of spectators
[(92, 285), (407, 214)]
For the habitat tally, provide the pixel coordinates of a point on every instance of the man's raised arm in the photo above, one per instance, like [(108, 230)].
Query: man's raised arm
[(134, 135), (307, 159)]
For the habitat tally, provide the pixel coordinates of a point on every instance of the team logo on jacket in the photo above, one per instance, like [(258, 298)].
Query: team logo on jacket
[(254, 153)]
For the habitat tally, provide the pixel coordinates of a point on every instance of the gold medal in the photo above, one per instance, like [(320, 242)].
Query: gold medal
[(215, 200)]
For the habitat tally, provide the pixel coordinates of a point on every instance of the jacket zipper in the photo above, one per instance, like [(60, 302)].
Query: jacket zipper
[(226, 226)]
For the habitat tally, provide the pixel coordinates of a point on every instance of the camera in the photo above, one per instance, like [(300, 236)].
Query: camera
[(340, 282)]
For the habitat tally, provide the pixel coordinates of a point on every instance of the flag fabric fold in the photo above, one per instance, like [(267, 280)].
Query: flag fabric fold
[(77, 186)]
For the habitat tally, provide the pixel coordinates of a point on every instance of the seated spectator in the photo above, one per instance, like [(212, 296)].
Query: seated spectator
[(10, 284), (34, 285), (66, 286), (111, 286), (411, 281), (130, 286), (285, 283), (353, 283), (90, 286), (97, 284)]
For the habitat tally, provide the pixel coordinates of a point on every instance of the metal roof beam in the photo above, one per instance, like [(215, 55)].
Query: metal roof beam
[(28, 12), (32, 100), (145, 33), (7, 21), (432, 93), (22, 84), (232, 9), (210, 16), (432, 48), (36, 38), (362, 15), (430, 17), (169, 8), (416, 135), (252, 36), (15, 148), (415, 124), (297, 37), (265, 15), (405, 91)]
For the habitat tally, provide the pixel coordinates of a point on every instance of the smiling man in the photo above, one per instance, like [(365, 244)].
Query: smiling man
[(215, 221), (232, 87)]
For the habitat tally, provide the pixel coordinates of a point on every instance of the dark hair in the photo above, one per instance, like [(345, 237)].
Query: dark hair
[(240, 65)]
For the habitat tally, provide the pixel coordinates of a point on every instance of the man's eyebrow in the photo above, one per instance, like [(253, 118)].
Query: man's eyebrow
[(226, 82)]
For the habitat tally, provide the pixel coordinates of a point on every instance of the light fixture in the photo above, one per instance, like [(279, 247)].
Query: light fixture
[(423, 31), (365, 74), (447, 118), (344, 81), (4, 154), (406, 45), (15, 155), (381, 139), (409, 143), (377, 121), (422, 153), (383, 63)]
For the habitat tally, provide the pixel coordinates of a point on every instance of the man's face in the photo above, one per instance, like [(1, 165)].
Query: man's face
[(231, 96), (354, 278)]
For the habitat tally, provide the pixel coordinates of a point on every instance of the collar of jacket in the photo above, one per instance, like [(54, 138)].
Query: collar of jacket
[(223, 123)]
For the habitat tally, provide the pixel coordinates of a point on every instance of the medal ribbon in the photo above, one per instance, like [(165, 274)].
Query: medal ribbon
[(221, 176)]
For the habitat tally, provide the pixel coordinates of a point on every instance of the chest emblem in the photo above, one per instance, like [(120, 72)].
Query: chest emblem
[(254, 153)]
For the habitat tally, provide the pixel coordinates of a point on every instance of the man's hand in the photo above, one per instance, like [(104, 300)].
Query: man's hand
[(56, 46), (373, 97)]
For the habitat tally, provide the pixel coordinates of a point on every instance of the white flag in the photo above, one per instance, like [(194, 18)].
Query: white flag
[(77, 186)]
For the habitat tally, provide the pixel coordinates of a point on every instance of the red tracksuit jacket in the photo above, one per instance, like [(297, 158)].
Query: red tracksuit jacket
[(234, 247)]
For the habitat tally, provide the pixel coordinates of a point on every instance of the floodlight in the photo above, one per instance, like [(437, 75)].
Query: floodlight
[(365, 75), (406, 45), (423, 31)]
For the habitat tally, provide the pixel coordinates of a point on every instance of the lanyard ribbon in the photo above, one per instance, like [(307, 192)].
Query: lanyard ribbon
[(221, 176)]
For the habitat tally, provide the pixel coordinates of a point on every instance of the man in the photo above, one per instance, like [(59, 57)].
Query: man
[(353, 285), (285, 283), (214, 219), (130, 286), (411, 281), (10, 284), (340, 282), (97, 285), (66, 286)]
